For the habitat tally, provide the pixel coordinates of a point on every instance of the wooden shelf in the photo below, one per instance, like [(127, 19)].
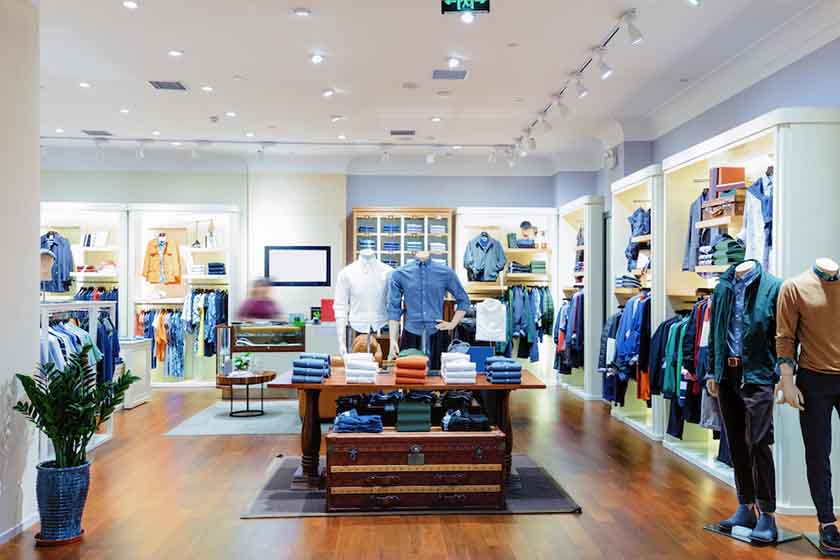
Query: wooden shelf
[(106, 249), (206, 279), (484, 288), (712, 269), (527, 252), (527, 277), (569, 291), (642, 238), (90, 277), (719, 222), (624, 294)]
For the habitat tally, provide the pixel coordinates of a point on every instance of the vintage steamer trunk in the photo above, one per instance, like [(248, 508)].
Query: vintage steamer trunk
[(415, 471)]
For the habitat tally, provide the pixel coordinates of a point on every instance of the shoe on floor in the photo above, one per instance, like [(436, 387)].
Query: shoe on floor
[(765, 530), (830, 538), (744, 517)]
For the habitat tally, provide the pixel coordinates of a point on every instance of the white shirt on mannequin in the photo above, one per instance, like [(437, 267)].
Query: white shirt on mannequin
[(361, 294)]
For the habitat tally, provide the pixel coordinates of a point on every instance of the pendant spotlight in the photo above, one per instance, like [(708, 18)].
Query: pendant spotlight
[(603, 68), (543, 122), (581, 89), (628, 19)]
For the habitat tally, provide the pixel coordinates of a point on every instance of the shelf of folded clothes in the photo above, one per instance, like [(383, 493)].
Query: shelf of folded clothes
[(97, 277), (712, 269), (493, 287), (527, 278), (524, 252), (642, 238), (733, 222)]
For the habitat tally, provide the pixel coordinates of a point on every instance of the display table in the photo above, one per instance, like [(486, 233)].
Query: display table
[(259, 378), (311, 429)]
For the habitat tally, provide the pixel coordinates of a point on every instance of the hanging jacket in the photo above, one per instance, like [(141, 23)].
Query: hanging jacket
[(171, 272), (759, 327), (484, 262), (757, 230)]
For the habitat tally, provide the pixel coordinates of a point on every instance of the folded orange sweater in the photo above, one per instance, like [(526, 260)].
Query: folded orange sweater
[(413, 362), (411, 373)]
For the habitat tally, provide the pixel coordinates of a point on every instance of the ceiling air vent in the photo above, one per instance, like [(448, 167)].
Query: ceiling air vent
[(403, 133), (168, 86), (449, 75), (97, 132)]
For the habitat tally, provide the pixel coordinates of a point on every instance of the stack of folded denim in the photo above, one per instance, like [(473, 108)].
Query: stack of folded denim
[(627, 281), (539, 267), (369, 243), (437, 246), (728, 251), (351, 422), (392, 227), (463, 421), (392, 262), (459, 372), (504, 371), (525, 243), (414, 416), (393, 246), (366, 228), (198, 269), (517, 268), (437, 229), (311, 368), (706, 255), (413, 244), (360, 368), (414, 227), (412, 370), (216, 269)]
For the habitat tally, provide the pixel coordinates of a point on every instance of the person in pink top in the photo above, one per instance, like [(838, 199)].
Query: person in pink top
[(259, 305)]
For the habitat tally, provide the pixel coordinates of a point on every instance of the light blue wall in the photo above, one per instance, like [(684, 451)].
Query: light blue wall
[(637, 155), (813, 81), (452, 192)]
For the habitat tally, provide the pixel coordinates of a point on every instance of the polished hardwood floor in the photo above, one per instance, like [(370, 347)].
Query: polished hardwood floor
[(180, 498)]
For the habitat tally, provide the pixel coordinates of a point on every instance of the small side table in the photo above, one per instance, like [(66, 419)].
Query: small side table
[(258, 378)]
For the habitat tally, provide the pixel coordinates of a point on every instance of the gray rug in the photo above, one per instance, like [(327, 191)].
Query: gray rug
[(535, 492), (281, 418)]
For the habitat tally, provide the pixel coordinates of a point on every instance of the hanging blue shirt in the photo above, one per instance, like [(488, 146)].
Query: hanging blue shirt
[(423, 285), (734, 334)]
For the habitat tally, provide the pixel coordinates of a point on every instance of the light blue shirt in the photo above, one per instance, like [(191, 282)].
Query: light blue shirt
[(423, 285), (734, 334)]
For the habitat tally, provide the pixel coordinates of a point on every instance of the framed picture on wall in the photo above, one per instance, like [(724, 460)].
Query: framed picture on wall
[(298, 265)]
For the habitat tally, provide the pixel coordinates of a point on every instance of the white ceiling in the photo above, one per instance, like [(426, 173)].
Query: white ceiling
[(371, 48)]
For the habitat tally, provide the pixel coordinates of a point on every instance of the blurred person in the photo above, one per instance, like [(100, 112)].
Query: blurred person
[(259, 305)]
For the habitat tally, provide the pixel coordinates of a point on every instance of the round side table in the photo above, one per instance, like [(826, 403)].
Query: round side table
[(258, 378)]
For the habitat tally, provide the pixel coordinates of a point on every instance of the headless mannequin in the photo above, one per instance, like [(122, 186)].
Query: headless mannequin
[(368, 256), (394, 326)]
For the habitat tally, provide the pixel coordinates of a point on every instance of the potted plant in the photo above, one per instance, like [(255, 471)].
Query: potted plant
[(68, 406)]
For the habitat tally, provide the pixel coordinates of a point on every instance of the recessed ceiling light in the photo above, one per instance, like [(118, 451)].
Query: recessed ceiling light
[(456, 147), (84, 84), (329, 92), (230, 114), (695, 3), (317, 58), (444, 93), (271, 126), (453, 62), (124, 111), (468, 17), (238, 77), (342, 137), (156, 133), (337, 118), (131, 4), (519, 100), (208, 89), (302, 12), (59, 131), (513, 45), (436, 119), (176, 144), (684, 80), (176, 53), (249, 134)]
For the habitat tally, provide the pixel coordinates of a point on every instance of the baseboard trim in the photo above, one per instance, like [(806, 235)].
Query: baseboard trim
[(12, 532)]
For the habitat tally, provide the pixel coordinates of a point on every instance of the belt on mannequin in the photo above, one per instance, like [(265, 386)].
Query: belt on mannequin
[(734, 362)]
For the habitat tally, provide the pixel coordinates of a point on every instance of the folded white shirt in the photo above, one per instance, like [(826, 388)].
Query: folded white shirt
[(460, 366), (360, 372), (358, 356), (360, 379), (447, 357), (459, 374), (459, 380), (361, 365)]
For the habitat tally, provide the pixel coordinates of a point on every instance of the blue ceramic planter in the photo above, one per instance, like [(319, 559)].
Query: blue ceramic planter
[(62, 494)]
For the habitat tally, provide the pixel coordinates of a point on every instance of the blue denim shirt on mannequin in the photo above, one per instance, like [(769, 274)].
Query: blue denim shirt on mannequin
[(423, 285)]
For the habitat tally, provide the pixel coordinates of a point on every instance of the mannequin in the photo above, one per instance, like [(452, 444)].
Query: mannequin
[(809, 305), (743, 313), (360, 297), (423, 316)]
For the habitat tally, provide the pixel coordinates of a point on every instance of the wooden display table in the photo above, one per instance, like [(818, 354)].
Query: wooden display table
[(258, 378), (311, 429)]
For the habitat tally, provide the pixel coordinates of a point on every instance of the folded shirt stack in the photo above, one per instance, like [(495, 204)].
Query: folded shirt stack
[(367, 244), (463, 421), (456, 368), (198, 270), (504, 371), (311, 368), (216, 269), (437, 246), (517, 268), (393, 263), (525, 243), (391, 228), (414, 416), (413, 245), (437, 229), (539, 267), (414, 227), (728, 251), (365, 228), (391, 246), (360, 368), (511, 240), (412, 370), (627, 281), (351, 422)]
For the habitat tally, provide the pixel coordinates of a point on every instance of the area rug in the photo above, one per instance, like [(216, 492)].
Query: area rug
[(281, 418), (536, 492)]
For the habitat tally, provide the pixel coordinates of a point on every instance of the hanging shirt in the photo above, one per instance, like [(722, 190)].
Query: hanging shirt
[(491, 321), (361, 294), (757, 230)]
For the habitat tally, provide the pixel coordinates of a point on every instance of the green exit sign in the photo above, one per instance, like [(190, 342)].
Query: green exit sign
[(454, 6)]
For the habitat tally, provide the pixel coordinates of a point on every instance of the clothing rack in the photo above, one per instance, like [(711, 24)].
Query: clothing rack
[(94, 309)]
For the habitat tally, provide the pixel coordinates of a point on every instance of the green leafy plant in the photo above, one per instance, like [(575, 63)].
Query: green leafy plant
[(242, 362), (69, 406)]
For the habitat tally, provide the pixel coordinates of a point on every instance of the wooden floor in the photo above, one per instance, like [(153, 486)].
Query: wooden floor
[(180, 498)]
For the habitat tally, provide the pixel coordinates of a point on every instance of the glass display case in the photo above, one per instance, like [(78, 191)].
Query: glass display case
[(248, 338)]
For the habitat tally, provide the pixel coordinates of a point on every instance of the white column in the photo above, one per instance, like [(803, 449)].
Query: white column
[(593, 299), (19, 204)]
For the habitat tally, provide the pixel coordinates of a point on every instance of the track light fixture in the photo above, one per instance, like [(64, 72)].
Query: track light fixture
[(386, 155), (582, 90), (543, 122), (633, 32), (604, 69), (141, 150), (491, 159), (532, 144), (559, 106), (430, 158)]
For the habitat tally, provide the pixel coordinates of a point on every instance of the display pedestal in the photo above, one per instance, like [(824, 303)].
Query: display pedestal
[(303, 481), (742, 534), (814, 539)]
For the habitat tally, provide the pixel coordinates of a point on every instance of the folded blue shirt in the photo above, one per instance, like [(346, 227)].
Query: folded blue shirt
[(315, 356), (503, 367), (306, 379), (499, 359), (509, 375), (350, 422), (309, 371), (311, 363), (514, 381)]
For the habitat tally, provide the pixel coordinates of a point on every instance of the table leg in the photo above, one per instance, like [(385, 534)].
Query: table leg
[(310, 436), (230, 388), (503, 419)]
